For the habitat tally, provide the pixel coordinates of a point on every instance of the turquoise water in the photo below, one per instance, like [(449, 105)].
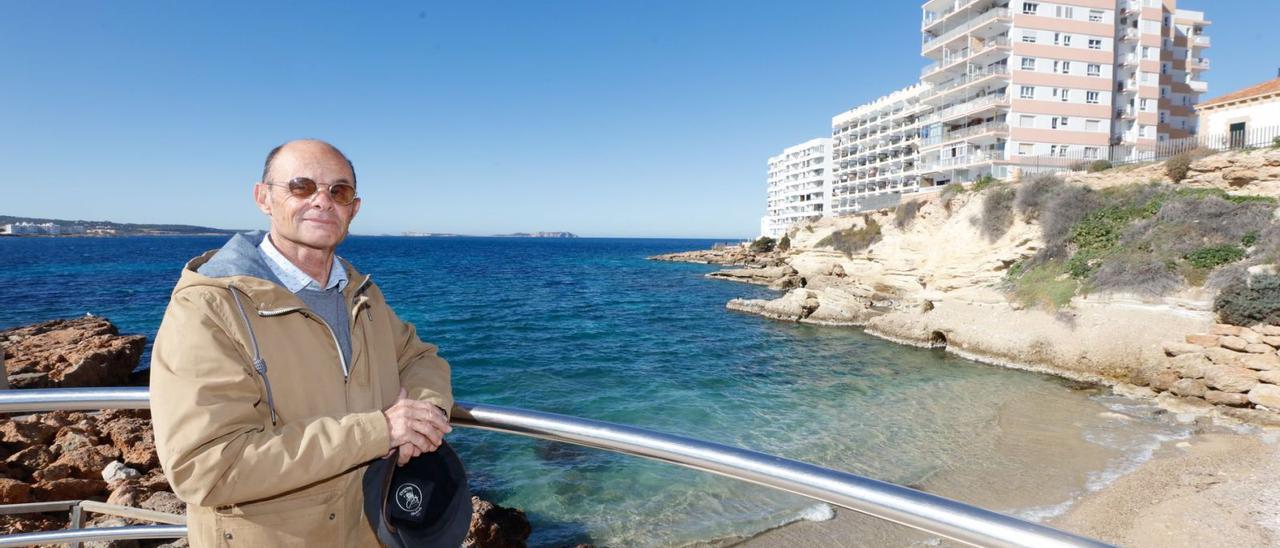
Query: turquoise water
[(588, 327)]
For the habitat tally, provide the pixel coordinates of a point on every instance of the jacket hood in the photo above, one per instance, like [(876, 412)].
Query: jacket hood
[(238, 263)]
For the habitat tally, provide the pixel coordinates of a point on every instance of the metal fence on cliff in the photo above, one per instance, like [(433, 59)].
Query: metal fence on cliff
[(1119, 155)]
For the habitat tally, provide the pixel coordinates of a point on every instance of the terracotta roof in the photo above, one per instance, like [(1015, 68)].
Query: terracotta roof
[(1265, 88)]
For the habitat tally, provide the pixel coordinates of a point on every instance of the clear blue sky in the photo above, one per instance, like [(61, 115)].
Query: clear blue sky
[(602, 118)]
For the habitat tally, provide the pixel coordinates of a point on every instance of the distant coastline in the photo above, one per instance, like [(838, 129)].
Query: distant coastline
[(62, 228), (512, 235)]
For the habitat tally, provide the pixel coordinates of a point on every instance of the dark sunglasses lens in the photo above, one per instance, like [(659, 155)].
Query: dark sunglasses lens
[(343, 194), (301, 187)]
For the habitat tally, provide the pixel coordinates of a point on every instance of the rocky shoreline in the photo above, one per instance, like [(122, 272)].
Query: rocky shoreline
[(110, 456)]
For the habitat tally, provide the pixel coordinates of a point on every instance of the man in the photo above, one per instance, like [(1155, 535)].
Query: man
[(279, 372)]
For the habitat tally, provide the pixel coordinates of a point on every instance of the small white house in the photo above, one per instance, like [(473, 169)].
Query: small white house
[(1246, 118)]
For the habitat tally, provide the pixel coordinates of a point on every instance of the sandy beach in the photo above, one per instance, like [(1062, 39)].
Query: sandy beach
[(1215, 486)]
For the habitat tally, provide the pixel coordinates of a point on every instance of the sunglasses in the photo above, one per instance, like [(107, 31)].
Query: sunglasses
[(302, 187)]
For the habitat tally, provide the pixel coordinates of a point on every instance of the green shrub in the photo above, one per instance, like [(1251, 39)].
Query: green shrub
[(1275, 143), (784, 243), (983, 182), (1248, 303), (997, 213), (906, 213), (1177, 167), (1249, 239), (1136, 272), (1214, 256), (1099, 165), (853, 240), (764, 244)]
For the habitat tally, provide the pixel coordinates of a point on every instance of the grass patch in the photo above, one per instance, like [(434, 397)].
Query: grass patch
[(1214, 256), (1046, 285), (853, 240)]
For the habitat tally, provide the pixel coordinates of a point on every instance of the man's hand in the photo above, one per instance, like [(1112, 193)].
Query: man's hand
[(416, 427)]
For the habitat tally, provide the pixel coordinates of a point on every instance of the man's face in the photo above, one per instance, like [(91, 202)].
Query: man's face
[(316, 221)]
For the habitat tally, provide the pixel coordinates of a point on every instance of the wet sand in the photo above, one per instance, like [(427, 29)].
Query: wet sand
[(1218, 488)]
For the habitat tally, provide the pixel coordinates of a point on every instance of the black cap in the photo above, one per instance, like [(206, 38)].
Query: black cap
[(426, 502)]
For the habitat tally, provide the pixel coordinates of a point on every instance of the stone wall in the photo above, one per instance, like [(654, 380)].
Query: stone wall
[(1236, 369)]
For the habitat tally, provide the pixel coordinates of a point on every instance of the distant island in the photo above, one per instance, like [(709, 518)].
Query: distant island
[(32, 226), (513, 235)]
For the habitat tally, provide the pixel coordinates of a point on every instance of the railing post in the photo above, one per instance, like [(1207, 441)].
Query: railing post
[(76, 521)]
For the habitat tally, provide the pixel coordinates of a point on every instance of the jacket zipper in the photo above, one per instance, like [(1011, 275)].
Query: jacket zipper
[(342, 360)]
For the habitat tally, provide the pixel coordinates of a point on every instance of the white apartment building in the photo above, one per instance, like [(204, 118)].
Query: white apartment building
[(799, 181), (875, 151)]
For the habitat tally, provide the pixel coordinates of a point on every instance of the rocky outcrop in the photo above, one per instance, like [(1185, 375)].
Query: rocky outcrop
[(1254, 172), (87, 351), (494, 526), (729, 255)]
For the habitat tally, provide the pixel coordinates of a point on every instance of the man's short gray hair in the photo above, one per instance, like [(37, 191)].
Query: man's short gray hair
[(271, 157)]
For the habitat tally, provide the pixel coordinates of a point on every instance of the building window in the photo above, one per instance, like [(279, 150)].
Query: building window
[(1162, 117), (1058, 150), (1027, 92), (1060, 122), (1092, 125), (1026, 149), (1030, 8), (1091, 153), (1144, 131), (1095, 16), (1095, 70), (1065, 95), (1095, 43), (1027, 121), (1028, 63), (1092, 97), (1063, 67), (1144, 105), (1066, 12), (1029, 36)]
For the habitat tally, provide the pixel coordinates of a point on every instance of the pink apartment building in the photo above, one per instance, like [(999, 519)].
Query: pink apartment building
[(1016, 84)]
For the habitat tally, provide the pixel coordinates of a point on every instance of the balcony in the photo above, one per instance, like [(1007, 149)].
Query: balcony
[(1198, 63), (966, 108), (975, 76), (951, 59), (966, 133), (958, 161), (930, 42), (1198, 86), (1200, 41), (933, 18)]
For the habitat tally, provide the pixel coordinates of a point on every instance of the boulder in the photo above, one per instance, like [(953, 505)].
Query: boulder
[(125, 494), (1164, 380), (1260, 362), (1272, 376), (36, 457), (1174, 349), (494, 526), (70, 489), (1259, 348), (1190, 366), (56, 471), (13, 491), (64, 353), (1207, 341), (1231, 379), (1250, 336), (1269, 330), (1254, 416), (169, 503), (1267, 395), (1272, 341), (1222, 356), (1189, 387), (1225, 329), (1233, 343), (1226, 398), (21, 434)]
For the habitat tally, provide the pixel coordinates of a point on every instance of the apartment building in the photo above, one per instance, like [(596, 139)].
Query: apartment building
[(799, 181), (1018, 83), (875, 152)]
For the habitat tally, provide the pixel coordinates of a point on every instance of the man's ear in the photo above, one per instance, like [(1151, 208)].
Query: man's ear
[(262, 197), (355, 208)]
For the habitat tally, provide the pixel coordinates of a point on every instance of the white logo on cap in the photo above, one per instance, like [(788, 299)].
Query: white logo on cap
[(409, 498)]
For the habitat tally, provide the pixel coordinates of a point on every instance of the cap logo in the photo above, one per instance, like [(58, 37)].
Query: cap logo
[(409, 498)]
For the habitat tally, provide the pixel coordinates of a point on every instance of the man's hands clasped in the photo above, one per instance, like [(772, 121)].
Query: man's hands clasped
[(416, 427)]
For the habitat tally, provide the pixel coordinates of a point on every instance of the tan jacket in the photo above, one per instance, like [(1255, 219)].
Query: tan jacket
[(298, 482)]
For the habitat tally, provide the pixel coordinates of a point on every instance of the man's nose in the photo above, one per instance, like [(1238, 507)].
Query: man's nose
[(322, 199)]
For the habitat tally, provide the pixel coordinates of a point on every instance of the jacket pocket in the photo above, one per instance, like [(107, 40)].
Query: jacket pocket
[(304, 520)]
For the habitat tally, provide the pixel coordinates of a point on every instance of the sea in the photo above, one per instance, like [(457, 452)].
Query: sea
[(591, 328)]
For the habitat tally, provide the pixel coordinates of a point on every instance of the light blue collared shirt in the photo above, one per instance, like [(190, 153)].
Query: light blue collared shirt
[(294, 278)]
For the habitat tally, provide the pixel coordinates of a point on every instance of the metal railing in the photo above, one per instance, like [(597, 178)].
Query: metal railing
[(929, 513)]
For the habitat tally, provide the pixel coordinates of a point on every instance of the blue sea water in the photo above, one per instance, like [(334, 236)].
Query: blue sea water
[(589, 327)]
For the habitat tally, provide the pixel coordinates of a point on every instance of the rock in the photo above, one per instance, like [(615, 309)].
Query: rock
[(1231, 379), (53, 472), (1267, 395), (1134, 391), (64, 353), (169, 503), (1189, 387), (21, 434), (1272, 341), (13, 491), (494, 526), (1225, 329), (1250, 336), (1272, 376), (1270, 330), (133, 436), (125, 494), (1207, 341), (1233, 343), (36, 457), (1226, 398), (69, 489), (89, 462), (1259, 348), (116, 471), (837, 270), (1180, 404), (1254, 416), (1260, 362), (1164, 380), (1178, 349), (1190, 366), (1222, 356)]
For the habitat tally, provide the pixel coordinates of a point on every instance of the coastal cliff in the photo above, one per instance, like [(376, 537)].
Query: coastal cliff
[(1092, 278)]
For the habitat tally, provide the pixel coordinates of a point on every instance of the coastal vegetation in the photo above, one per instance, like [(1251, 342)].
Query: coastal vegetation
[(1250, 301), (905, 213), (854, 239), (763, 244)]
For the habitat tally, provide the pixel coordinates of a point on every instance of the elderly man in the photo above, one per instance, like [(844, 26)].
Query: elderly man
[(279, 372)]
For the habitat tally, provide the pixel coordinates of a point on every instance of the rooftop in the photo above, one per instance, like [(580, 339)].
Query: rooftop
[(1271, 87)]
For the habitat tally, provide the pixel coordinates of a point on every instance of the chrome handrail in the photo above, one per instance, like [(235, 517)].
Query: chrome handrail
[(929, 513)]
